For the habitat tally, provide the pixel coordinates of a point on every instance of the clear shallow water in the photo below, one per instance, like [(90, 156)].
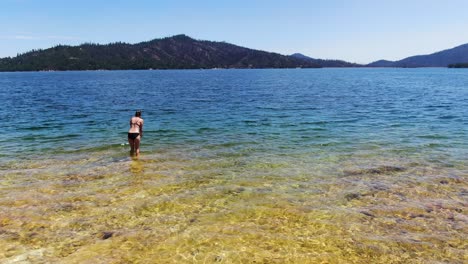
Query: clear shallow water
[(237, 166)]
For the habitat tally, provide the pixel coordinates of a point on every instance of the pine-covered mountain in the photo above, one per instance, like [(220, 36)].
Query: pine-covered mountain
[(177, 52), (455, 56), (326, 63)]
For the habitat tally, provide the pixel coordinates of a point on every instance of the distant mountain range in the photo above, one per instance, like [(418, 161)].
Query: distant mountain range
[(455, 56), (183, 52), (326, 63), (177, 52)]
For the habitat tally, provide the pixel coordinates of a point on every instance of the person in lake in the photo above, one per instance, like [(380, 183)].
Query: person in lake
[(135, 133)]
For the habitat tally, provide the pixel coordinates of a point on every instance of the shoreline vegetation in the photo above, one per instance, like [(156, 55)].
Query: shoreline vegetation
[(183, 52), (458, 65)]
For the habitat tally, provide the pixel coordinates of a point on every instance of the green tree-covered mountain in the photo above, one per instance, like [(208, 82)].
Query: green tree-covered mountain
[(177, 52)]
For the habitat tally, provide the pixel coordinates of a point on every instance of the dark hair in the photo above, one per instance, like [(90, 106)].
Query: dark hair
[(138, 113)]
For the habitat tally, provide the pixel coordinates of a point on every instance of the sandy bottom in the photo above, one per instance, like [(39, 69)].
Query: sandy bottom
[(206, 206)]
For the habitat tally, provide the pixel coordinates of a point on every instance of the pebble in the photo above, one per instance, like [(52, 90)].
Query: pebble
[(106, 234)]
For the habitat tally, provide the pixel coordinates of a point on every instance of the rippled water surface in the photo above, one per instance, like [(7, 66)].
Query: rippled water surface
[(237, 166)]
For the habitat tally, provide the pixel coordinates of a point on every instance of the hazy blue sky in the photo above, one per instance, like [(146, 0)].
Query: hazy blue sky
[(358, 31)]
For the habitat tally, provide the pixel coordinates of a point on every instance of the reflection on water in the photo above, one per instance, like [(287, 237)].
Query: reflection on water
[(197, 206)]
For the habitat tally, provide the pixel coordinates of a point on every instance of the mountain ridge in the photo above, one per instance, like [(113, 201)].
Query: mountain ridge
[(443, 58), (183, 52), (176, 52)]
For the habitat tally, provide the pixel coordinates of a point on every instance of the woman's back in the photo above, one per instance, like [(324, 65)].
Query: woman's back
[(135, 133), (135, 124)]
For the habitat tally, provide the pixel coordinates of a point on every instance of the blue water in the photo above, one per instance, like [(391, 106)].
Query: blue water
[(289, 166), (413, 110)]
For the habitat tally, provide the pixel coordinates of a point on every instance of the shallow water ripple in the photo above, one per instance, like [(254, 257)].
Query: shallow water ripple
[(174, 208)]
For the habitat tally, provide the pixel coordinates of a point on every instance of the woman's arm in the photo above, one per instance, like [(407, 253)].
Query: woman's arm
[(141, 128)]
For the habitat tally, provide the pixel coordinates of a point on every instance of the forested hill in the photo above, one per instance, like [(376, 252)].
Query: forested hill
[(177, 52)]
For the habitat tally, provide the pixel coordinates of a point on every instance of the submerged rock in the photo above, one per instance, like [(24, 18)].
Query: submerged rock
[(105, 235)]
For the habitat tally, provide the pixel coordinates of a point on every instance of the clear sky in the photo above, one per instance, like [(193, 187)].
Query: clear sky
[(354, 30)]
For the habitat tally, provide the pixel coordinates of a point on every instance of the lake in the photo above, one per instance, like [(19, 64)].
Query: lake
[(278, 165)]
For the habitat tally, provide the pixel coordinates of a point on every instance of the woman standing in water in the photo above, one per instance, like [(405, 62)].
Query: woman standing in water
[(135, 133)]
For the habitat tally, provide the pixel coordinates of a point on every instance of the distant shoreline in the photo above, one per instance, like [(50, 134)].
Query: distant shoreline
[(182, 52), (105, 70)]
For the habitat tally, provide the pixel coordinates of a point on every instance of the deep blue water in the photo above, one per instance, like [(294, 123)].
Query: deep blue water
[(408, 111)]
